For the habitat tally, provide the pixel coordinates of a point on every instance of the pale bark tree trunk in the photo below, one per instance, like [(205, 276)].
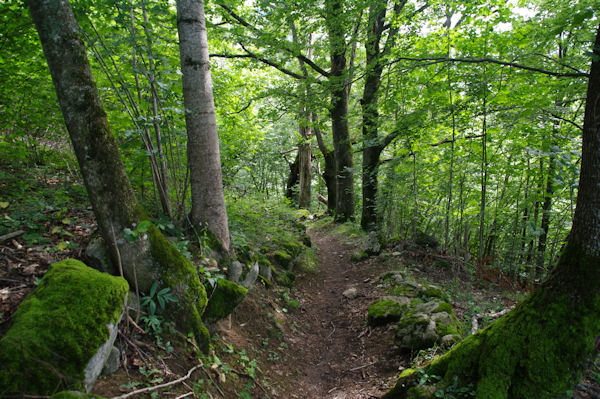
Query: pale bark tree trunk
[(208, 200), (151, 257), (539, 349)]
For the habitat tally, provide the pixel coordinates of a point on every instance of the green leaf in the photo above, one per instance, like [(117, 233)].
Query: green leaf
[(4, 204), (143, 226), (153, 289)]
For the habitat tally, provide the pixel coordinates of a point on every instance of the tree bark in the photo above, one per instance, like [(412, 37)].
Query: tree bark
[(208, 200), (539, 349), (151, 257), (329, 170), (344, 206)]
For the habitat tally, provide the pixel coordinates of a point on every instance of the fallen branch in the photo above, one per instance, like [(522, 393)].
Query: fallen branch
[(363, 366), (11, 235), (493, 315), (156, 387)]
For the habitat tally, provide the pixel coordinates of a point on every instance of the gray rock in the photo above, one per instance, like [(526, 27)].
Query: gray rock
[(96, 255), (264, 270), (96, 364), (251, 276), (113, 362), (235, 271), (372, 246), (350, 293)]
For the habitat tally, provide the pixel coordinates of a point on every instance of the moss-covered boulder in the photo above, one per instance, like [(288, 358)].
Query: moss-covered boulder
[(283, 258), (181, 276), (59, 329), (415, 290), (424, 325), (291, 244), (308, 261), (387, 310), (358, 255), (223, 298)]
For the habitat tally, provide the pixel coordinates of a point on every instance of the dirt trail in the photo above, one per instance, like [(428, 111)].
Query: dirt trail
[(334, 353)]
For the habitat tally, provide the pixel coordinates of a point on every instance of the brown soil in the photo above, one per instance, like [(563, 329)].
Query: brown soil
[(330, 352)]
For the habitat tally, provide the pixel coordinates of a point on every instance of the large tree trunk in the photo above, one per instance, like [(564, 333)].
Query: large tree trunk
[(540, 348), (344, 206), (151, 257), (208, 200)]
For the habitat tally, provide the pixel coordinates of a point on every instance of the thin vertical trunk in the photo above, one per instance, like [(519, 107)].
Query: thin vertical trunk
[(546, 208), (208, 200), (163, 185), (483, 171)]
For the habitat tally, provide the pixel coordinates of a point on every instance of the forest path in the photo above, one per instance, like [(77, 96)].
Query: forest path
[(334, 353)]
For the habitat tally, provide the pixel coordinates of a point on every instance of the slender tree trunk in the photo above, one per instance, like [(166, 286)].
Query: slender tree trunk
[(291, 187), (304, 160), (545, 224), (163, 182), (539, 349), (151, 257), (208, 200), (344, 167)]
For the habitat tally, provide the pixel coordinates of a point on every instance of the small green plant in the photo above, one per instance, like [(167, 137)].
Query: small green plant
[(156, 300)]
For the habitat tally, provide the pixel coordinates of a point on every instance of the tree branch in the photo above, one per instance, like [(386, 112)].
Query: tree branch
[(296, 54), (435, 60)]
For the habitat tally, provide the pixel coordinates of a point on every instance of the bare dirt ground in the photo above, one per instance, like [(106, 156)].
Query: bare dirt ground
[(332, 352)]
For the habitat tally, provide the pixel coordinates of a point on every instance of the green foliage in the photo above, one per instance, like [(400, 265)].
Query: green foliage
[(155, 304)]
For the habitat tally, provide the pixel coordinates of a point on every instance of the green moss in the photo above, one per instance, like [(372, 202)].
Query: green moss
[(286, 278), (224, 298), (74, 395), (308, 261), (358, 255), (539, 349), (384, 311), (444, 307), (58, 328), (179, 274), (290, 244), (283, 258), (432, 291)]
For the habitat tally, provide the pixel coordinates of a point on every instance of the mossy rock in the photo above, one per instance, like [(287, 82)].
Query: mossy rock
[(181, 276), (302, 214), (286, 278), (386, 310), (393, 277), (290, 244), (358, 255), (223, 299), (427, 324), (59, 328), (283, 258), (430, 291)]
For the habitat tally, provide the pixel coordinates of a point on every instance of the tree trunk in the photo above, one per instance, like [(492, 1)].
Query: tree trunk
[(344, 206), (291, 187), (151, 257), (304, 181), (329, 170), (539, 349), (208, 200)]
